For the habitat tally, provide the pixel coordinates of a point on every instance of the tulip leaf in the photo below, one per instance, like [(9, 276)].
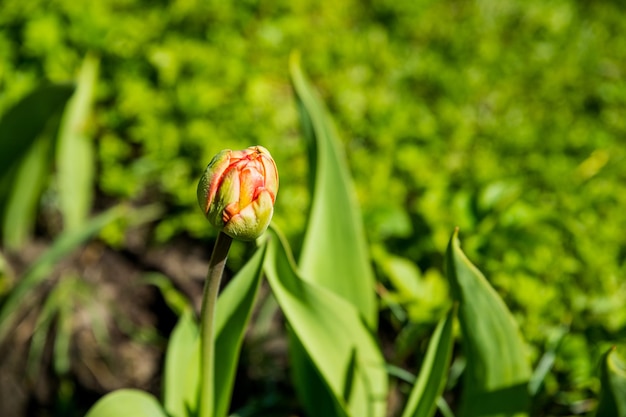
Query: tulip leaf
[(234, 307), (21, 208), (334, 252), (21, 124), (333, 336), (181, 373), (314, 393), (182, 363), (613, 378), (127, 402), (433, 373), (75, 149), (498, 371)]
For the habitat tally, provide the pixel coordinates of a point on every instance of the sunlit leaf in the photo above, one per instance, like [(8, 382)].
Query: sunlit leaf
[(127, 402), (333, 335), (497, 373), (75, 149), (334, 251), (433, 373), (613, 378)]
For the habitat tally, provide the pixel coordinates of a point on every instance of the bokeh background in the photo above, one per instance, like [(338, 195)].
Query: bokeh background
[(506, 118)]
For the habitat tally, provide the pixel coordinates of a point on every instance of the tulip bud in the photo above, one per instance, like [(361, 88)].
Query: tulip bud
[(238, 190)]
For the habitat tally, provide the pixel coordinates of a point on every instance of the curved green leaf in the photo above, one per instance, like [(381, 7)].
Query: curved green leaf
[(127, 403), (28, 183), (234, 307), (613, 378), (497, 373), (334, 251), (21, 125), (432, 377), (333, 335), (314, 393), (75, 150), (182, 363)]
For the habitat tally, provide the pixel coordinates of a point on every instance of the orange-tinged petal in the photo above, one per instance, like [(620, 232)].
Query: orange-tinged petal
[(238, 190), (252, 220)]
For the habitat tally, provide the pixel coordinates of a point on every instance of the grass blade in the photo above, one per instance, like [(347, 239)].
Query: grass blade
[(46, 317), (65, 324), (432, 377), (39, 271)]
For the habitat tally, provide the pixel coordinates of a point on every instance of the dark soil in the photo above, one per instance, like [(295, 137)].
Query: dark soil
[(138, 323)]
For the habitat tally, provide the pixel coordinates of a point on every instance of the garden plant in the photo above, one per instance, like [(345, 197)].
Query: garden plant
[(338, 367), (430, 134)]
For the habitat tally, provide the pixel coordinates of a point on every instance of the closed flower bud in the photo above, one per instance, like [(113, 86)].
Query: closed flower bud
[(238, 190)]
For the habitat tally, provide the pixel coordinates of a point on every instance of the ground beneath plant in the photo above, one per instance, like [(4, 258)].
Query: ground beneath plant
[(118, 330)]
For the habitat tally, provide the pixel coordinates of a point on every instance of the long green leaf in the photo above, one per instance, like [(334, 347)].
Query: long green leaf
[(333, 335), (181, 376), (127, 403), (234, 307), (432, 377), (314, 392), (75, 150), (613, 377), (497, 373), (21, 208), (21, 125), (334, 251)]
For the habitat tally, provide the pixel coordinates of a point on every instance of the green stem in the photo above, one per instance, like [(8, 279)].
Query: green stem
[(207, 323)]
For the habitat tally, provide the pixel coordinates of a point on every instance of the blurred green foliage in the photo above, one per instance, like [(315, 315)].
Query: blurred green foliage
[(505, 118)]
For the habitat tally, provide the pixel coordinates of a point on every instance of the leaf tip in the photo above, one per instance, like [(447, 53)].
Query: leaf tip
[(294, 61), (454, 242)]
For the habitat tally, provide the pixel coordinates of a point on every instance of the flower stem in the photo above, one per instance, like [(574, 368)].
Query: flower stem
[(207, 323)]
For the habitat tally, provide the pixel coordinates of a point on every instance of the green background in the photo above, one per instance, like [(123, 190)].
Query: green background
[(505, 118)]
